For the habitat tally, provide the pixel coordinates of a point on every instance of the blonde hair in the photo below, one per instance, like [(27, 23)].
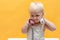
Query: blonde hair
[(36, 6)]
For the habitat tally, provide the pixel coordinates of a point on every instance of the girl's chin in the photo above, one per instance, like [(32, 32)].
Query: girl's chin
[(36, 21)]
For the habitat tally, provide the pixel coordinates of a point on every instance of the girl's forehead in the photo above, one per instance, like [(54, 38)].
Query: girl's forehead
[(35, 13)]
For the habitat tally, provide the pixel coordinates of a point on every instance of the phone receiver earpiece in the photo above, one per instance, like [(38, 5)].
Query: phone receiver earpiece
[(42, 21)]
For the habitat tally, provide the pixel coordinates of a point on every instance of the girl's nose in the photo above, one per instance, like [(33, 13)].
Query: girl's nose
[(34, 18)]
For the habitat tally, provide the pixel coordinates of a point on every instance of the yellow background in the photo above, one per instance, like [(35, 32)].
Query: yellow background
[(14, 14)]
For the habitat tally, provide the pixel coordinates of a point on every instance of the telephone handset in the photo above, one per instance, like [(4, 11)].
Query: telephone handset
[(32, 21)]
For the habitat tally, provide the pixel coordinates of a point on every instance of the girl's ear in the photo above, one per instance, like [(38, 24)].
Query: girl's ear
[(43, 13)]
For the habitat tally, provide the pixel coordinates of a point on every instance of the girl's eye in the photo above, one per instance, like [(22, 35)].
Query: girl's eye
[(37, 15), (32, 15)]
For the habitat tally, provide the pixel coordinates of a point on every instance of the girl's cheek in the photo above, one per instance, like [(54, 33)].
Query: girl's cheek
[(38, 18)]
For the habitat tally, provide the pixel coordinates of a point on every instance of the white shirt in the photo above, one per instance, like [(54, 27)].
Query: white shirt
[(36, 32)]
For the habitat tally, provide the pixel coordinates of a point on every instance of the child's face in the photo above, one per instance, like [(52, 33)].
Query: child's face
[(36, 16)]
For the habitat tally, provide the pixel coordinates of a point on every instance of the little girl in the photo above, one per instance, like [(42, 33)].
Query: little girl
[(36, 24)]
